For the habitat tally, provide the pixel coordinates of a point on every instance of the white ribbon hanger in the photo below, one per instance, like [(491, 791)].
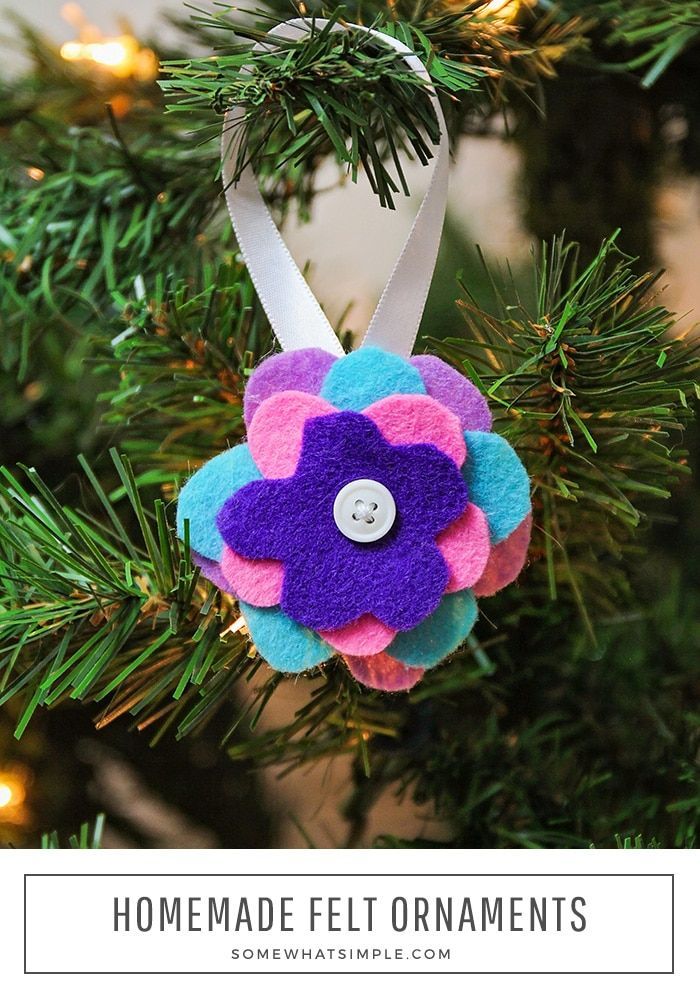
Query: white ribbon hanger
[(291, 307)]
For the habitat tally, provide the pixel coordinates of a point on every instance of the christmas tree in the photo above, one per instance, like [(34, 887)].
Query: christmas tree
[(129, 329)]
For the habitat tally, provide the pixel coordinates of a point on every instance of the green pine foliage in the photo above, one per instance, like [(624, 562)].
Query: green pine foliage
[(594, 389), (92, 612), (344, 93), (175, 367), (87, 838), (648, 34)]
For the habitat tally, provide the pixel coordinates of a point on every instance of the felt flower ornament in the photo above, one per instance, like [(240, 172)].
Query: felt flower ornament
[(368, 509)]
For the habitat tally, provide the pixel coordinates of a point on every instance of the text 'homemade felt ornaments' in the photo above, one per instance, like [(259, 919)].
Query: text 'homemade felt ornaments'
[(372, 503)]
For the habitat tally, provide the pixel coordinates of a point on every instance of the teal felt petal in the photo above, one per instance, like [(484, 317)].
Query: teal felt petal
[(497, 482), (439, 634), (202, 497), (368, 374), (285, 645)]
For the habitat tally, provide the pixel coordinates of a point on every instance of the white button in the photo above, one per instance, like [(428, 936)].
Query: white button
[(364, 510)]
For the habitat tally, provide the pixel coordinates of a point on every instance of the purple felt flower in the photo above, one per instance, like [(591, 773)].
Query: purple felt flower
[(331, 580)]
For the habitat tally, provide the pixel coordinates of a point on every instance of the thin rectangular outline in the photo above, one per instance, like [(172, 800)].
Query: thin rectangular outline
[(360, 972)]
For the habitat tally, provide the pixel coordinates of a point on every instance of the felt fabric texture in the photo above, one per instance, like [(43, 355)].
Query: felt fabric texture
[(276, 430), (284, 644), (329, 580), (256, 581), (262, 525), (383, 673), (206, 491), (439, 634), (465, 547), (361, 638), (405, 584), (454, 391), (410, 419), (497, 482), (506, 561), (212, 571), (368, 374), (304, 370)]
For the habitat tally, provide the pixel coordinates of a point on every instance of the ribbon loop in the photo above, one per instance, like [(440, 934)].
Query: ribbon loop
[(291, 307)]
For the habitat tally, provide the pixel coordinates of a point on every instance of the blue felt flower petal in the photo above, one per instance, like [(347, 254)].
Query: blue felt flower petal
[(202, 497), (368, 374), (285, 645), (439, 634), (497, 482)]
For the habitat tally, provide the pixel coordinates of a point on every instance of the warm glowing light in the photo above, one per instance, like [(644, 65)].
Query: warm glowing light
[(32, 392), (35, 173), (506, 9), (13, 792), (121, 55), (503, 10), (107, 53), (72, 50)]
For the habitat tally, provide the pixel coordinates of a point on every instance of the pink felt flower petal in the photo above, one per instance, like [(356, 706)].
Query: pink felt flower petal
[(255, 581), (276, 430), (408, 419), (465, 547), (363, 637), (506, 560), (383, 673)]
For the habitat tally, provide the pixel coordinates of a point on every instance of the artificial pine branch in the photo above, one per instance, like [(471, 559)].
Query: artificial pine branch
[(98, 610), (85, 211), (177, 366), (87, 838), (648, 34), (342, 92), (594, 387)]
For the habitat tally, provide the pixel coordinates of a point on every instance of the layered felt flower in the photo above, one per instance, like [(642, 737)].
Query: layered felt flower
[(369, 508)]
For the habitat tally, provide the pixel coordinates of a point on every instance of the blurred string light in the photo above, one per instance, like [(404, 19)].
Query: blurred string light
[(504, 10), (14, 781), (120, 55)]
